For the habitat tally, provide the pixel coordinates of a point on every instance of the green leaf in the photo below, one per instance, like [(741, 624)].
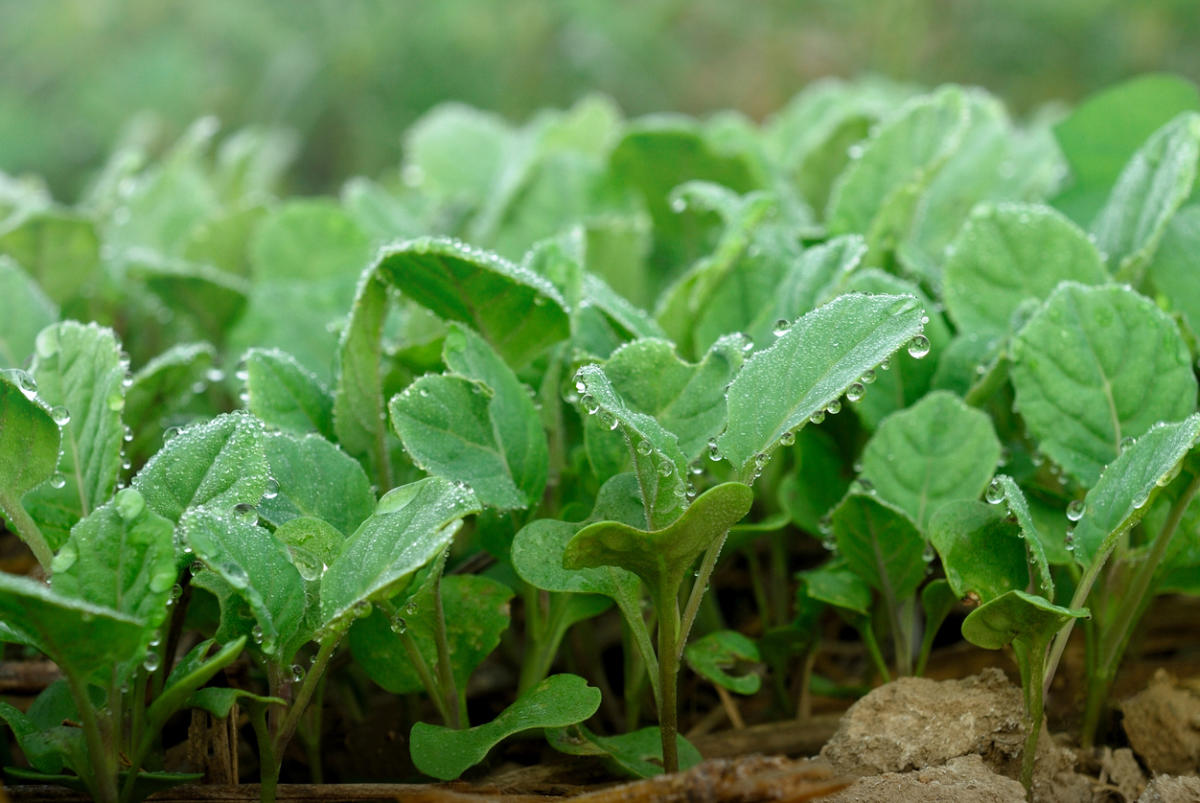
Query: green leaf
[(556, 702), (1014, 615), (515, 310), (1101, 134), (29, 441), (53, 623), (203, 302), (1007, 253), (477, 425), (818, 481), (314, 478), (880, 544), (221, 241), (637, 754), (456, 151), (359, 418), (311, 543), (711, 655), (219, 700), (259, 569), (411, 525), (477, 614), (836, 585), (981, 549), (306, 240), (194, 669), (285, 394), (1036, 546), (1093, 366), (809, 366), (1175, 270), (270, 320), (936, 451), (1121, 496), (79, 372), (58, 249), (121, 556), (218, 464), (1155, 183), (877, 193), (28, 311), (662, 557), (162, 391)]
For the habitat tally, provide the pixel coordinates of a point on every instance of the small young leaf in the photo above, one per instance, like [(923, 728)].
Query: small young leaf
[(711, 655), (1096, 365), (810, 366), (477, 614), (312, 477), (1121, 495), (880, 544), (1007, 253), (411, 525), (194, 669), (637, 754), (982, 551), (936, 451), (1035, 543), (556, 702), (1014, 615), (285, 394), (835, 584)]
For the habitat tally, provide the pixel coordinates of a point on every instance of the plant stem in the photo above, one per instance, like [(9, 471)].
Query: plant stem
[(668, 668), (292, 717), (27, 530), (269, 765), (101, 751), (444, 669), (707, 564), (872, 645), (1031, 658), (427, 679), (1082, 590)]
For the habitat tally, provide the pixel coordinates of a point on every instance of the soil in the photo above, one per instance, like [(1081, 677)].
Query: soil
[(1163, 725)]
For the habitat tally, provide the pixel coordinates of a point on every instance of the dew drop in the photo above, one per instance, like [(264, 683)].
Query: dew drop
[(1075, 510), (918, 347), (788, 438), (61, 415), (825, 524), (928, 553), (399, 625), (362, 608), (58, 480), (644, 448), (297, 673), (834, 407), (214, 375), (781, 327), (235, 575), (1127, 441), (151, 662), (1070, 541), (664, 468), (760, 461), (256, 633), (589, 403), (868, 377), (196, 568), (678, 205), (714, 452), (175, 593), (155, 639), (128, 436), (885, 365), (817, 417), (855, 391), (169, 433), (26, 384), (246, 512), (608, 419), (863, 485), (995, 493), (272, 489)]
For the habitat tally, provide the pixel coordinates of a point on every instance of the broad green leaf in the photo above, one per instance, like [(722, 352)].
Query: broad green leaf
[(1007, 253), (311, 543), (121, 556), (556, 702), (53, 623), (477, 614), (202, 302), (660, 465), (165, 202), (456, 152), (1101, 134), (712, 655), (312, 477), (29, 442), (222, 241), (836, 585), (1175, 270), (381, 214), (936, 451), (219, 464), (1120, 497), (881, 544), (687, 399), (194, 669), (982, 551), (285, 394), (878, 192), (1096, 365), (162, 391), (309, 240), (411, 525), (662, 557), (80, 374), (270, 320), (58, 249), (818, 481), (28, 311), (1015, 615), (1035, 543), (477, 425), (517, 311), (359, 418), (257, 566), (809, 366), (637, 754), (47, 744), (1155, 183)]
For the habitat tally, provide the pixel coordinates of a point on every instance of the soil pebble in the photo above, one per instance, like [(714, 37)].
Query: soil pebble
[(1163, 726), (1172, 789), (965, 779)]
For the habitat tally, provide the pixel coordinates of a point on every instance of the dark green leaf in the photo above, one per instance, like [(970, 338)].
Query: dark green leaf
[(880, 544), (712, 655)]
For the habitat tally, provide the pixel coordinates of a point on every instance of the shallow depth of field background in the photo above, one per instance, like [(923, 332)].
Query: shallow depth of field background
[(349, 75)]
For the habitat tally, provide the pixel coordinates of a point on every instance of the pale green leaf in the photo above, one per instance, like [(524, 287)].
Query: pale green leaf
[(314, 478), (1013, 616), (309, 240), (28, 311), (29, 441), (285, 394), (60, 250), (1175, 270)]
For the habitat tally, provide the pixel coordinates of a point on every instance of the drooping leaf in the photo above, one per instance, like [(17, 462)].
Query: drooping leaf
[(203, 302), (80, 375), (1015, 615), (661, 557), (556, 702), (1120, 497), (219, 464), (1155, 183), (1093, 366), (477, 425), (880, 544), (410, 525), (637, 754), (936, 451), (28, 311), (711, 656), (476, 615), (285, 394), (809, 366), (981, 550), (1007, 253), (312, 477)]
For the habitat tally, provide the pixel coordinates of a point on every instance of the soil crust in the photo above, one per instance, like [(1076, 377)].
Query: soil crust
[(1163, 725)]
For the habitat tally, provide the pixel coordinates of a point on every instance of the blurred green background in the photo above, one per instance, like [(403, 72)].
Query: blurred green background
[(349, 75)]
